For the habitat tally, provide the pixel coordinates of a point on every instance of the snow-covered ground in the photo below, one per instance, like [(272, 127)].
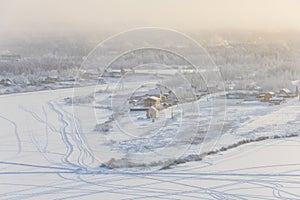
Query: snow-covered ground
[(49, 153)]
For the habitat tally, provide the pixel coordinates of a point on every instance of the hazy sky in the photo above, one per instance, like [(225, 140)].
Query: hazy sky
[(89, 15)]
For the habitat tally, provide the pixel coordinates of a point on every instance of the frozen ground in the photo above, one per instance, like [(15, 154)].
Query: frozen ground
[(44, 156)]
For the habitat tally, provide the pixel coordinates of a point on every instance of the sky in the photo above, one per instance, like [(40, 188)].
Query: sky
[(18, 16)]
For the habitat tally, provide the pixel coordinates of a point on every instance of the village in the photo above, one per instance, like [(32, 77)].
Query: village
[(152, 101), (271, 97), (157, 99)]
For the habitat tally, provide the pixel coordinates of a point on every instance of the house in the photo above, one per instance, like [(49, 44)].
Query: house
[(268, 96), (116, 73), (89, 74), (6, 82), (152, 112), (112, 73), (260, 96), (286, 93), (277, 100), (151, 101)]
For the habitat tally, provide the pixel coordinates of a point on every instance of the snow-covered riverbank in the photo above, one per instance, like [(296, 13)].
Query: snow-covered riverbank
[(44, 156)]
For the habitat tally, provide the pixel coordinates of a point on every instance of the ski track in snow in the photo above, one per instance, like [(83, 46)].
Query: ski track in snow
[(19, 143), (72, 179)]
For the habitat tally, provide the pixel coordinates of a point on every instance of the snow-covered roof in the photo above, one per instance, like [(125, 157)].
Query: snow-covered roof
[(272, 93), (285, 90), (153, 98), (116, 71)]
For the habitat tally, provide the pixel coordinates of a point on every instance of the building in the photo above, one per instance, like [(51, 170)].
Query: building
[(277, 100), (152, 112), (89, 74), (286, 93), (6, 82), (151, 101), (112, 73), (268, 96)]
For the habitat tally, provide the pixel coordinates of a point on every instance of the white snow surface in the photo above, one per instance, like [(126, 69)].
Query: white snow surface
[(49, 153)]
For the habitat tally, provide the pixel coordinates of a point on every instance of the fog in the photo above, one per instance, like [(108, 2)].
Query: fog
[(56, 16)]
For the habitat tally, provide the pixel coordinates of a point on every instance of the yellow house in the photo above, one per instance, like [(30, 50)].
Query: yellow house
[(151, 101), (268, 96)]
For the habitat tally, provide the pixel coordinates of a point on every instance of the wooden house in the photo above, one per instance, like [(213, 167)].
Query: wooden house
[(286, 93), (268, 96), (151, 101), (277, 100)]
